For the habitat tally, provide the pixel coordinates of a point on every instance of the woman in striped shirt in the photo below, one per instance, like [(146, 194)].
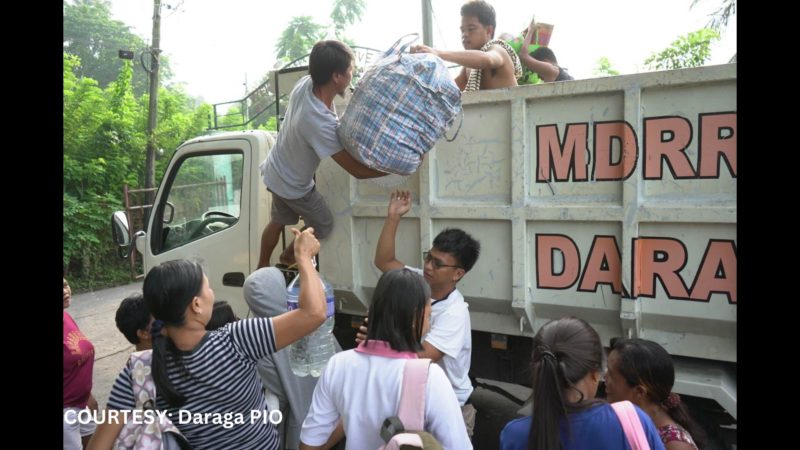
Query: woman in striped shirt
[(206, 381)]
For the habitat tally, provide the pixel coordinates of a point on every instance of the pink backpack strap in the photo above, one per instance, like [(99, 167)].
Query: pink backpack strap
[(412, 396), (411, 439), (631, 425)]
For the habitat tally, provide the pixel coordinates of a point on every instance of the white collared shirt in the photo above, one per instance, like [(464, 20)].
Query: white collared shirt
[(451, 334)]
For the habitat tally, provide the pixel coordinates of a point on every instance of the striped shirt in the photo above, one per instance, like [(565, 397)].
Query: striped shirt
[(225, 406)]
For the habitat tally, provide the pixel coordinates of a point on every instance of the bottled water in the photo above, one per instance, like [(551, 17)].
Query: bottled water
[(309, 355)]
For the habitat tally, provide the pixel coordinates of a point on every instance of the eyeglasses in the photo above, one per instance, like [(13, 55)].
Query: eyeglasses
[(437, 264)]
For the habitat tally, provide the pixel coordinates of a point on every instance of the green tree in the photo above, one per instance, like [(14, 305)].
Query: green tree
[(302, 32), (346, 12), (104, 146), (719, 18), (270, 125), (91, 34), (298, 38), (691, 50), (604, 69), (178, 121), (97, 135)]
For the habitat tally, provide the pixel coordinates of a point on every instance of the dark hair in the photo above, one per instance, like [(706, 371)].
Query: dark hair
[(483, 11), (132, 316), (564, 351), (327, 58), (168, 290), (544, 54), (461, 245), (222, 314), (646, 363), (396, 314)]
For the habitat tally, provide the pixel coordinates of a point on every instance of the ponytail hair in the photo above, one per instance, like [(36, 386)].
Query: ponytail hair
[(564, 352), (168, 290), (646, 363)]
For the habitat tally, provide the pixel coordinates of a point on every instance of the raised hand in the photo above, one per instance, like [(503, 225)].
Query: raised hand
[(423, 49), (529, 35), (399, 203), (306, 244)]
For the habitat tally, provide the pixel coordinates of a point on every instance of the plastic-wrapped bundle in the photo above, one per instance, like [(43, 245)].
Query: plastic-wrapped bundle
[(400, 107)]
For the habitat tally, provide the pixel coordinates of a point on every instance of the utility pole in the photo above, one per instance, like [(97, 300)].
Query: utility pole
[(427, 29), (152, 115)]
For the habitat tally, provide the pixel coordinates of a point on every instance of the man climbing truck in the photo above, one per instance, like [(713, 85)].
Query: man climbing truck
[(611, 199)]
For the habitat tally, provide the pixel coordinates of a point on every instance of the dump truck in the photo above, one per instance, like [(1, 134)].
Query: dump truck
[(610, 199)]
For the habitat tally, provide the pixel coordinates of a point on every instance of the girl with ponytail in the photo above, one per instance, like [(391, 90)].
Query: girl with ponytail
[(567, 365)]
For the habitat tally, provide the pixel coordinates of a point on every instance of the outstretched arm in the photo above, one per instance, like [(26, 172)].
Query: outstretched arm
[(385, 259), (546, 71), (312, 309), (473, 59), (353, 167)]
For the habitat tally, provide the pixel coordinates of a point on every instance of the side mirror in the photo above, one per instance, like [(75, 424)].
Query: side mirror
[(169, 211), (121, 233), (119, 229)]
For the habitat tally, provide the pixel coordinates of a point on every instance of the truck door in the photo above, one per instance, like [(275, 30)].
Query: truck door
[(202, 213)]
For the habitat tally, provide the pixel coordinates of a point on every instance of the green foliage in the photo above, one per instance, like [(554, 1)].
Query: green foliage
[(346, 12), (86, 231), (104, 148), (302, 32), (84, 109), (270, 125), (231, 120), (604, 69), (95, 38), (691, 50), (104, 122), (719, 18), (178, 121), (297, 39)]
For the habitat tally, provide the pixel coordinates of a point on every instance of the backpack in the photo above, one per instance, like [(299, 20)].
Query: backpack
[(400, 107), (405, 430), (161, 434)]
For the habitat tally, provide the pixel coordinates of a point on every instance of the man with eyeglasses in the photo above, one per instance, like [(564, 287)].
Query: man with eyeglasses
[(449, 341)]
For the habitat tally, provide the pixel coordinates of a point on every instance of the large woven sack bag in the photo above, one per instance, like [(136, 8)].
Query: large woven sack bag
[(400, 107)]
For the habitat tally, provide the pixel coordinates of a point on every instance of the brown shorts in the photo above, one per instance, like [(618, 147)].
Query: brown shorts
[(312, 207)]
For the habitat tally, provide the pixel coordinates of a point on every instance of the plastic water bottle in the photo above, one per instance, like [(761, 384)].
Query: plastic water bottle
[(309, 355)]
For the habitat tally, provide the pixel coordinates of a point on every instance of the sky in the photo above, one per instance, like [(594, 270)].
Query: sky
[(216, 46)]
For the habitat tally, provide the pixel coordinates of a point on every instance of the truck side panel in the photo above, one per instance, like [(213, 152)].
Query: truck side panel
[(610, 199)]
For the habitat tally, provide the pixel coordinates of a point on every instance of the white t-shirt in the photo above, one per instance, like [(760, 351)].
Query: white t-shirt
[(364, 390), (308, 135), (451, 334)]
